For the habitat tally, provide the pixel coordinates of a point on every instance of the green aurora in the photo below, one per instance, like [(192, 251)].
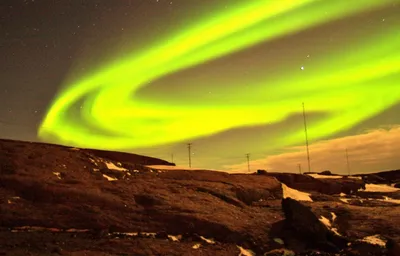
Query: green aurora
[(350, 84)]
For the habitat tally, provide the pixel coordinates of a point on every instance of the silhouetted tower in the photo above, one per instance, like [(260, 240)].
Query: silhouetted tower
[(190, 154), (347, 160), (248, 162), (299, 165), (305, 131), (172, 158)]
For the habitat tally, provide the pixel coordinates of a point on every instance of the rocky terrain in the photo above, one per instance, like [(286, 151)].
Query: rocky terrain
[(57, 200)]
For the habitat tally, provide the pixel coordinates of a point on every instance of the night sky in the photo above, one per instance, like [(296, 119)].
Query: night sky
[(150, 76)]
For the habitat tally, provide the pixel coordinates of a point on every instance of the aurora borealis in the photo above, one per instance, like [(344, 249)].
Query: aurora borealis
[(246, 65)]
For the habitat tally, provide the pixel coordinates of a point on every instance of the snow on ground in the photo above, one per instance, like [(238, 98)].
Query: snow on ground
[(374, 240), (207, 240), (295, 194), (354, 177), (175, 238), (333, 216), (112, 166), (58, 175), (196, 246), (170, 167), (328, 224), (319, 176), (390, 200), (344, 200), (245, 252), (109, 178), (378, 188)]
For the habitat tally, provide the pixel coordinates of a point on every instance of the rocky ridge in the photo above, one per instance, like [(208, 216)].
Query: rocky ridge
[(58, 200)]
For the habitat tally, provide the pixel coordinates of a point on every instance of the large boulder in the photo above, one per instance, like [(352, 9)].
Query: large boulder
[(326, 173), (307, 227), (261, 172), (393, 247), (375, 179)]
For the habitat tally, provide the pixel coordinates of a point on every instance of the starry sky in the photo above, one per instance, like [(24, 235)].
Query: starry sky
[(148, 77)]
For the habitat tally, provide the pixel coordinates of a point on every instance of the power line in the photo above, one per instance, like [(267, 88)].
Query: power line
[(248, 162), (348, 165), (305, 131), (190, 154)]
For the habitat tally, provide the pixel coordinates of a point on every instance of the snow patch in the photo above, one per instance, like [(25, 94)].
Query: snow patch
[(342, 194), (196, 246), (390, 200), (175, 238), (344, 200), (378, 188), (178, 168), (376, 240), (245, 252), (295, 194), (325, 221), (319, 176), (58, 175), (112, 166), (130, 234), (93, 161), (354, 177), (207, 240), (328, 224), (109, 178), (333, 216)]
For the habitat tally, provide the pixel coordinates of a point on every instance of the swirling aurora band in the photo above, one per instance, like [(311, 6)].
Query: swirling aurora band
[(121, 119)]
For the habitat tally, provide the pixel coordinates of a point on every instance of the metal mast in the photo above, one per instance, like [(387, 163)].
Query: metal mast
[(305, 131), (190, 154), (248, 162), (348, 165)]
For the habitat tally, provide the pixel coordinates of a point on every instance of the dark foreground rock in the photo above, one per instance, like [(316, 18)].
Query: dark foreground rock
[(309, 228), (65, 201)]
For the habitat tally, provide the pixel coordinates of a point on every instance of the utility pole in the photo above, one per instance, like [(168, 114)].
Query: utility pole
[(172, 158), (299, 165), (190, 154), (305, 131), (348, 165), (248, 162)]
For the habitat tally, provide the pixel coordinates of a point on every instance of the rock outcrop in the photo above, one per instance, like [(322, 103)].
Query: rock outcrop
[(324, 186), (60, 200)]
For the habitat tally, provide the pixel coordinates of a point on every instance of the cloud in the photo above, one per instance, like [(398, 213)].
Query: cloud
[(375, 150)]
